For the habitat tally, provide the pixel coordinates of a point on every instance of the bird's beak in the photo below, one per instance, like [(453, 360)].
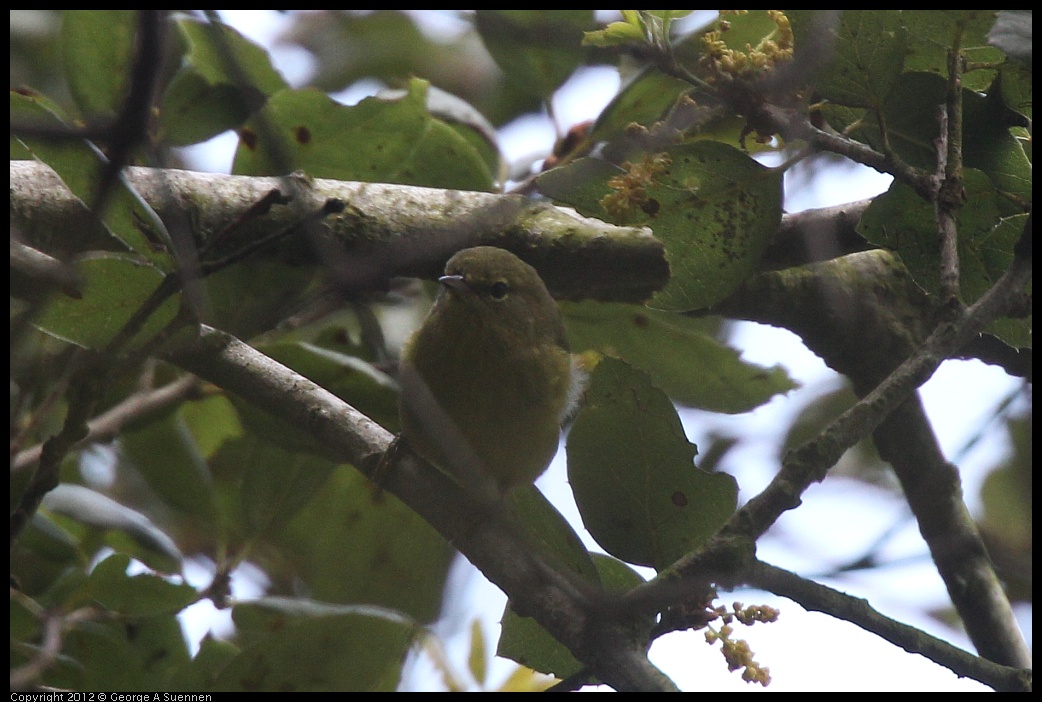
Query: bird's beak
[(453, 282)]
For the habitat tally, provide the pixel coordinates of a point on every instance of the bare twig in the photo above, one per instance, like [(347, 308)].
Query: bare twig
[(106, 426), (55, 624), (819, 598), (950, 194), (793, 125)]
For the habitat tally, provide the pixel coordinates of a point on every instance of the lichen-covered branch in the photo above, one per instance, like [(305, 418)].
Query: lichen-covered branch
[(382, 230)]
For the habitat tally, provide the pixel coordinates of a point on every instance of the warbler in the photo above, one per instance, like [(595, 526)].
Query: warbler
[(488, 377)]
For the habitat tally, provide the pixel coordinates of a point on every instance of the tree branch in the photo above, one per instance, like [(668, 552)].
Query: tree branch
[(383, 231), (950, 193), (815, 597), (794, 125), (106, 426), (933, 489), (574, 614), (816, 235), (725, 556)]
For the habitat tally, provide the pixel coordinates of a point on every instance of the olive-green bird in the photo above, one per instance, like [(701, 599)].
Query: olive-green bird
[(487, 378)]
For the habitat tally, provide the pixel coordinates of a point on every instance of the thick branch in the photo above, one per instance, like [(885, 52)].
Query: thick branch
[(816, 235), (933, 489), (383, 231)]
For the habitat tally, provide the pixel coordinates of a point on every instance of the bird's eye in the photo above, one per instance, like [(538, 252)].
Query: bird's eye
[(498, 290)]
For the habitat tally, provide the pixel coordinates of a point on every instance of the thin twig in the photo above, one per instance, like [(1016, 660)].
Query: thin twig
[(815, 597), (107, 425), (793, 126), (950, 193)]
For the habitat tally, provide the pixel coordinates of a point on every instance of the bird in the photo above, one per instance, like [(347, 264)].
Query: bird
[(488, 378)]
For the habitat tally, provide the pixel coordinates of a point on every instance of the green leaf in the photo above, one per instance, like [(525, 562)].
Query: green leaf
[(669, 14), (681, 354), (390, 46), (615, 34), (901, 221), (209, 47), (300, 645), (713, 207), (550, 532), (208, 95), (868, 52), (630, 467), (912, 128), (523, 639), (354, 543), (200, 673), (136, 595), (389, 141), (537, 49), (119, 654), (1015, 83), (98, 47), (194, 110), (262, 486), (994, 257), (127, 218), (96, 510), (48, 559), (211, 422), (933, 34), (255, 294), (989, 145), (114, 288), (167, 456), (746, 29), (642, 101)]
